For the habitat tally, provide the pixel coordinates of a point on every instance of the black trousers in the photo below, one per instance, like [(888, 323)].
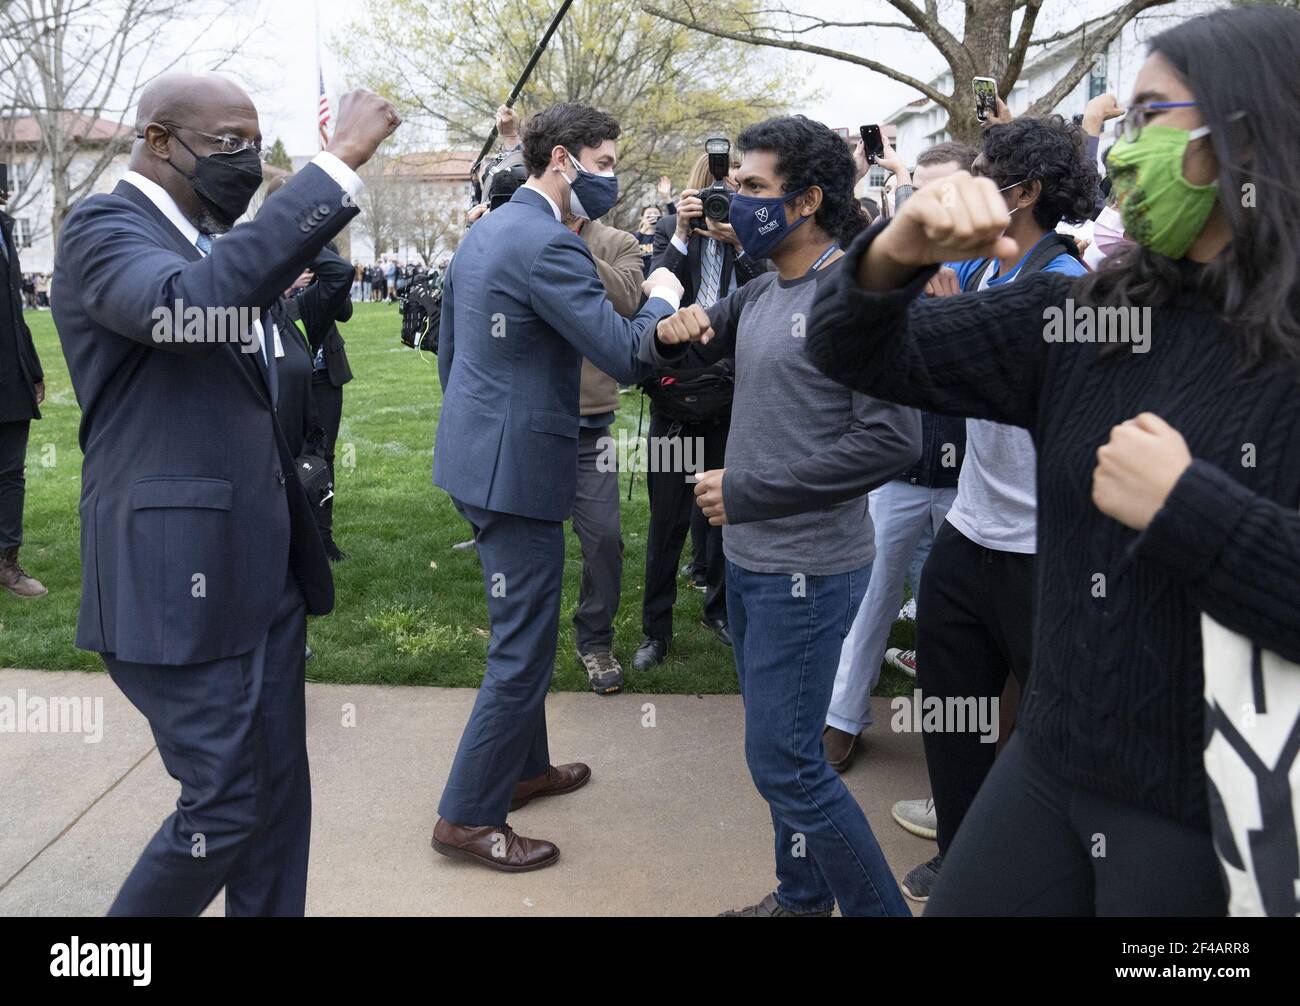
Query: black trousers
[(699, 539), (13, 484), (672, 501), (329, 412), (974, 626), (1034, 844)]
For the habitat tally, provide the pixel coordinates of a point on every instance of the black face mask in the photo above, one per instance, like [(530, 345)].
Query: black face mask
[(225, 182)]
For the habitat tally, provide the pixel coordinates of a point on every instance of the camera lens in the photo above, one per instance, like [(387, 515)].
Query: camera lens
[(717, 203)]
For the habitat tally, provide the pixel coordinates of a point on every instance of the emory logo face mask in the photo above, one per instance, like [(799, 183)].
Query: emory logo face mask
[(760, 224), (1161, 209)]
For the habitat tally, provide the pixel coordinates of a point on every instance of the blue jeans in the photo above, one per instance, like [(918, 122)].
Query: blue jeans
[(787, 632)]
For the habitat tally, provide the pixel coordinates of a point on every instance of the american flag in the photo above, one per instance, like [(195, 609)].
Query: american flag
[(323, 113)]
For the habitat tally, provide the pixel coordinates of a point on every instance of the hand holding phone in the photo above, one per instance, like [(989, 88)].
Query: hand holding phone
[(872, 145), (986, 97)]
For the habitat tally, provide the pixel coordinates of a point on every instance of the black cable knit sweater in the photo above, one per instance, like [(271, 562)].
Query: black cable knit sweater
[(1114, 702)]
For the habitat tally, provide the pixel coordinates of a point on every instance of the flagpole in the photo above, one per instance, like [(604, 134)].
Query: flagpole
[(320, 79)]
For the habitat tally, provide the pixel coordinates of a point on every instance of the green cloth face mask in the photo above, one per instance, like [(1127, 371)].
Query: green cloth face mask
[(1162, 210)]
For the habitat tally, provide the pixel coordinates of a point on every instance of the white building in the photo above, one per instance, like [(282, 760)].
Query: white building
[(922, 123), (31, 198), (413, 207)]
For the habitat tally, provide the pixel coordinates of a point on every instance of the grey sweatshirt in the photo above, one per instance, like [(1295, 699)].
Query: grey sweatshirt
[(803, 451)]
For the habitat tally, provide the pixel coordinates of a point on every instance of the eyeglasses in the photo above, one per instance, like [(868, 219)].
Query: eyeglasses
[(1135, 119), (227, 143)]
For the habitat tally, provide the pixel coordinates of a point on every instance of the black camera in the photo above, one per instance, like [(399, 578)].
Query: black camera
[(717, 197), (504, 184)]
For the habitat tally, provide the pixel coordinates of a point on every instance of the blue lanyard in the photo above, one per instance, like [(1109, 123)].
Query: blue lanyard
[(825, 255)]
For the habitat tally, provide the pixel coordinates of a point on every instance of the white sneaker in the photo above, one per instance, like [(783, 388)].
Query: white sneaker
[(904, 660), (908, 611), (918, 817)]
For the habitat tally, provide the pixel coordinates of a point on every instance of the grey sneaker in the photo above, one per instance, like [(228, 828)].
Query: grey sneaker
[(770, 908), (917, 884), (918, 817), (603, 672)]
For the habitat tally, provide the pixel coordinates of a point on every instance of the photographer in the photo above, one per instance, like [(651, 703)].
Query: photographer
[(706, 257)]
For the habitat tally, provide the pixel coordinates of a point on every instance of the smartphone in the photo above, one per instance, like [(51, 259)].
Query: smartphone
[(4, 177), (986, 97), (872, 145)]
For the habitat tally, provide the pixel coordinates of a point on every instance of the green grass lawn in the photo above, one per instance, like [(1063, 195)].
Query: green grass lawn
[(410, 610)]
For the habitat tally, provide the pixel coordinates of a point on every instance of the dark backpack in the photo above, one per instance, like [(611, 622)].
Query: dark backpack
[(420, 305), (1047, 250)]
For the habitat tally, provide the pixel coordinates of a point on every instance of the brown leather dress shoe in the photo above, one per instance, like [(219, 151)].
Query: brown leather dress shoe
[(840, 746), (555, 780), (493, 845)]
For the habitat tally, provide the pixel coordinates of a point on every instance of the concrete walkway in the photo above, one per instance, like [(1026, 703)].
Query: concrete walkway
[(669, 825)]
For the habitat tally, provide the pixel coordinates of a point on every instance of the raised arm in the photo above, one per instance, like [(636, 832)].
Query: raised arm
[(977, 355), (566, 293), (127, 278)]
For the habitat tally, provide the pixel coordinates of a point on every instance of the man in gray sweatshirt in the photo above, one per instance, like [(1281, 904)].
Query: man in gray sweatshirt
[(801, 457)]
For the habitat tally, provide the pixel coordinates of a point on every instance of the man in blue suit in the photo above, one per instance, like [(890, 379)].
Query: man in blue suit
[(200, 555), (522, 306)]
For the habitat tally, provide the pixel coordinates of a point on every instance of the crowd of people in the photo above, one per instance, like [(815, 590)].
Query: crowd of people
[(36, 290), (1052, 392), (385, 280)]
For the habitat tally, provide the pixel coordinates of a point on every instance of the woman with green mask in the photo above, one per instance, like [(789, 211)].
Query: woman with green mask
[(1163, 395)]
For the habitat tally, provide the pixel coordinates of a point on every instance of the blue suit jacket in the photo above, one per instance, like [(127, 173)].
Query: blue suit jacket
[(191, 513), (521, 306)]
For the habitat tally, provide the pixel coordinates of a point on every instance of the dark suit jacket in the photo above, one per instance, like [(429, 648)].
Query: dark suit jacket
[(315, 307), (191, 513), (687, 267), (331, 268), (20, 368), (522, 305)]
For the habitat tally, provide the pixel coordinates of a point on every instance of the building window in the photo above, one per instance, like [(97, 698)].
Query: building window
[(1097, 78), (877, 176), (22, 232)]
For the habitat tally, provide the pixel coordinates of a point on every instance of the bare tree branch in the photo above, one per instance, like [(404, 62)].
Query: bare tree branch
[(930, 92), (1093, 45), (1016, 59), (929, 24)]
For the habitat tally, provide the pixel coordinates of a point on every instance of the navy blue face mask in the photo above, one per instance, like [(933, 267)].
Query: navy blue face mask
[(591, 195), (760, 223)]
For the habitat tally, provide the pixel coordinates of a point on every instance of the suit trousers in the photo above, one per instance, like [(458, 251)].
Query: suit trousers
[(13, 459), (328, 401), (672, 501), (233, 733), (505, 738), (596, 523)]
